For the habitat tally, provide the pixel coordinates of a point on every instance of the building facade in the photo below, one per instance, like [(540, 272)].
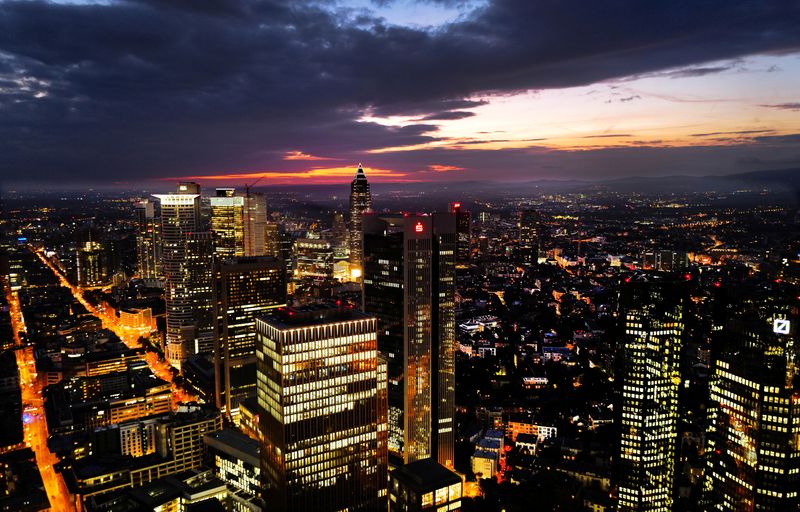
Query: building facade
[(409, 285), (360, 203), (244, 288), (652, 318), (186, 261), (754, 427), (322, 401), (463, 233), (148, 242)]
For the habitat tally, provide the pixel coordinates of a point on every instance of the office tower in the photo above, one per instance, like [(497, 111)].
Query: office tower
[(360, 203), (198, 272), (651, 313), (227, 223), (754, 415), (90, 264), (463, 233), (255, 224), (322, 401), (409, 266), (528, 237), (271, 240), (148, 243), (243, 289), (188, 316)]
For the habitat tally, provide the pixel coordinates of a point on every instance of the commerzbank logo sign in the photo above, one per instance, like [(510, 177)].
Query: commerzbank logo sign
[(781, 326)]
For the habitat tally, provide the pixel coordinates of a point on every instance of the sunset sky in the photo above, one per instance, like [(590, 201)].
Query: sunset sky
[(222, 91)]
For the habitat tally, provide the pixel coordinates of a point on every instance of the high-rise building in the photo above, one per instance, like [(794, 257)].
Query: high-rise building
[(322, 401), (227, 223), (255, 224), (90, 264), (186, 260), (754, 415), (463, 233), (360, 203), (243, 289), (409, 284), (529, 236), (652, 318), (148, 243)]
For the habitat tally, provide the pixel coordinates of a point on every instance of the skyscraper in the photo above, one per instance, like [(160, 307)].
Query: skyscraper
[(651, 313), (148, 242), (754, 416), (360, 203), (528, 237), (238, 223), (91, 266), (227, 223), (243, 289), (463, 233), (255, 224), (409, 266), (188, 308), (322, 401)]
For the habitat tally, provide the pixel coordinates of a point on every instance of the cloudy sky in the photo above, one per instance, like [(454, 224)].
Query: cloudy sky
[(134, 91)]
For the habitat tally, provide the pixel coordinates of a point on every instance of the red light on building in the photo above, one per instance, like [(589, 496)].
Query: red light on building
[(456, 205), (688, 277), (418, 227)]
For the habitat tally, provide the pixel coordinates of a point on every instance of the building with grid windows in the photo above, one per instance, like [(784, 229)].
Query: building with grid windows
[(409, 285), (244, 288), (754, 417), (322, 401), (652, 318)]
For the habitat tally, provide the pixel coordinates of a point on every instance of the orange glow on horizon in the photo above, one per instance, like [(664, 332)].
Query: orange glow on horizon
[(317, 175)]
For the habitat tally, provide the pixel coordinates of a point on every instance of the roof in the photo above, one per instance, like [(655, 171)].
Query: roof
[(424, 475)]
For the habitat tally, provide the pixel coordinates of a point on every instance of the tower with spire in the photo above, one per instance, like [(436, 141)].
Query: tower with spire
[(360, 203)]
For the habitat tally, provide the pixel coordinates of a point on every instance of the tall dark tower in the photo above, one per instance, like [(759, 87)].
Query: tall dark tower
[(409, 285), (754, 414), (463, 233), (360, 203)]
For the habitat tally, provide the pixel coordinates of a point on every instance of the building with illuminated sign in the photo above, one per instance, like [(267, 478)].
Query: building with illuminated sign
[(754, 417), (424, 485), (243, 289), (360, 203), (652, 318), (409, 284), (322, 401)]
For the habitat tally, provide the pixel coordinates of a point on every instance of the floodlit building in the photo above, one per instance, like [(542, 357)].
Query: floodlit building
[(322, 401), (360, 203)]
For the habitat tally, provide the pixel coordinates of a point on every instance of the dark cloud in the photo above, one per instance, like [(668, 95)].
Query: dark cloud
[(448, 115), (784, 106), (148, 88), (738, 132)]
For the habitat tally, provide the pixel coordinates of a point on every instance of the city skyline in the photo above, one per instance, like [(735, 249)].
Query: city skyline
[(476, 90)]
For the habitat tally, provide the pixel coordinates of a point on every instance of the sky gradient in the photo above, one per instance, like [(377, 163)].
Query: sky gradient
[(141, 91)]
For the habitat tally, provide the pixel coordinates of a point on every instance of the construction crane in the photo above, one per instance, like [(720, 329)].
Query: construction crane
[(247, 187)]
